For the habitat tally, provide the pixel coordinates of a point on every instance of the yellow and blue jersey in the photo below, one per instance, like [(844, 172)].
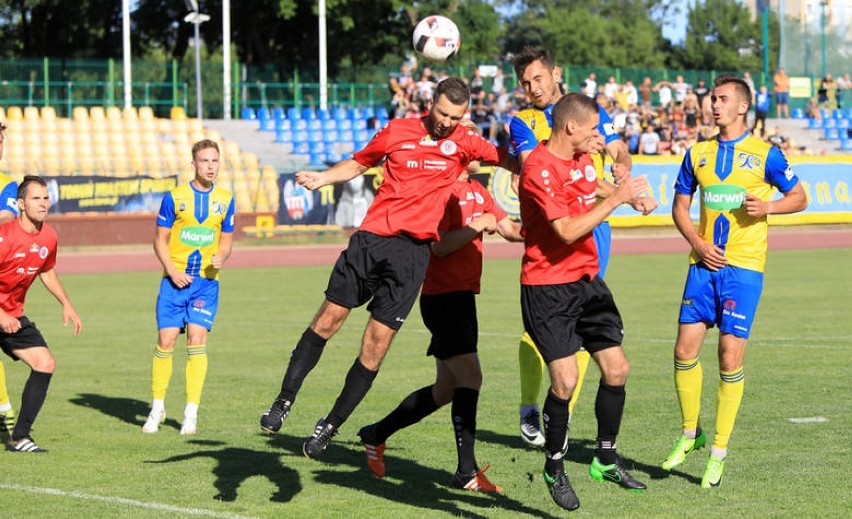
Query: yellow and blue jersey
[(197, 219), (725, 171), (8, 194)]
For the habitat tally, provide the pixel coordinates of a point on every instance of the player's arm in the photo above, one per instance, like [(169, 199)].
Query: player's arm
[(712, 256), (9, 202), (343, 171), (226, 240), (780, 175), (8, 323), (572, 228), (161, 249), (50, 279), (454, 240), (6, 216), (510, 230)]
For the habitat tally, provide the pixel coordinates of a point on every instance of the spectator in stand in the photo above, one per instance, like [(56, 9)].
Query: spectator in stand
[(761, 108), (691, 111), (645, 92), (681, 88), (425, 86), (664, 88), (519, 97), (476, 83), (701, 90), (442, 75), (590, 85), (632, 96), (781, 87), (844, 84), (649, 141), (678, 120), (497, 84), (610, 89), (750, 82)]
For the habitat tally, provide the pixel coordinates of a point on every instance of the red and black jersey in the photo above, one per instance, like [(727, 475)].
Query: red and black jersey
[(552, 188), (23, 256), (461, 270), (418, 171)]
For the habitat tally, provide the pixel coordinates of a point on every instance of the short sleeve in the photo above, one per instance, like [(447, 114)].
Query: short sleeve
[(778, 172), (686, 183), (166, 216)]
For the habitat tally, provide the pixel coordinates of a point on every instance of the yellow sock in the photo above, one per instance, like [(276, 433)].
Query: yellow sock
[(161, 373), (583, 358), (531, 366), (4, 393), (196, 371), (689, 378), (728, 398)]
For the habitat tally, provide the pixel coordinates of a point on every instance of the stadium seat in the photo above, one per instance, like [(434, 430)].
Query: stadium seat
[(293, 114), (829, 122), (330, 136), (323, 114), (354, 114), (282, 135), (329, 124), (278, 114), (308, 113), (339, 113), (847, 112), (129, 113), (146, 113), (367, 112), (177, 113), (814, 123), (48, 113), (837, 113), (248, 114), (843, 123), (831, 134), (798, 113), (314, 124), (382, 113), (14, 113)]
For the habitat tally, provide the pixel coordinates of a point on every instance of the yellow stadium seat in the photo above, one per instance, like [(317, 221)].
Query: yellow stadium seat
[(129, 113), (252, 173), (177, 113), (213, 135), (65, 127), (146, 113), (80, 113), (97, 113), (250, 161), (31, 114), (52, 167), (113, 113), (48, 113), (195, 126), (14, 113)]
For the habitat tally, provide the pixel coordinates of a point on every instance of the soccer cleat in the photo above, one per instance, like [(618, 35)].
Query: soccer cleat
[(189, 426), (7, 424), (475, 481), (319, 440), (155, 418), (682, 447), (272, 420), (615, 473), (561, 491), (24, 445), (713, 472), (375, 450), (531, 428)]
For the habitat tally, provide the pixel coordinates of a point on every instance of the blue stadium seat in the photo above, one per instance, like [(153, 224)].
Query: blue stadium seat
[(323, 114), (314, 124), (263, 118), (344, 135), (300, 136), (823, 114), (278, 113), (300, 148), (843, 123), (308, 113), (283, 135), (344, 124), (837, 113), (316, 147), (332, 156), (298, 124), (367, 112), (831, 134), (248, 114), (848, 113), (846, 144), (814, 123), (362, 135), (329, 136), (829, 122), (354, 114), (329, 124), (283, 124), (316, 158), (314, 136), (293, 114), (359, 124), (339, 113), (798, 113), (382, 113)]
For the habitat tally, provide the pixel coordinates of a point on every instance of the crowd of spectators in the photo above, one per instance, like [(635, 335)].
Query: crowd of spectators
[(662, 118)]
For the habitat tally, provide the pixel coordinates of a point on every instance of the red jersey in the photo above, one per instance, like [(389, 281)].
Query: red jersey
[(417, 174), (461, 270), (22, 257), (552, 188)]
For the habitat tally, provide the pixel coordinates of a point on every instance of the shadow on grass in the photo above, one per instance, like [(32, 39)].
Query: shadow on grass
[(581, 451), (407, 482), (128, 410), (237, 465)]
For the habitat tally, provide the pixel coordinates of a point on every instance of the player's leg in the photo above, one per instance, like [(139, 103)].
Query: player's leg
[(531, 367), (42, 364), (203, 306), (7, 414), (171, 319), (563, 377)]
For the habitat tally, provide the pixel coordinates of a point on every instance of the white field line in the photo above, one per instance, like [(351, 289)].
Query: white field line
[(120, 501)]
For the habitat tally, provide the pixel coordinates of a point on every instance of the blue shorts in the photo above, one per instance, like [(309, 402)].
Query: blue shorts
[(726, 298), (603, 240), (782, 98), (195, 304)]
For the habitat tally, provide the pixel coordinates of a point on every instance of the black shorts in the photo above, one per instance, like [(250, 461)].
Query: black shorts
[(562, 318), (388, 269), (27, 337), (451, 318)]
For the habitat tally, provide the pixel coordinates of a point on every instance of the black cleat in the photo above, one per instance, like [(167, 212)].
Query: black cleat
[(271, 420), (319, 440), (561, 490), (615, 473), (24, 445)]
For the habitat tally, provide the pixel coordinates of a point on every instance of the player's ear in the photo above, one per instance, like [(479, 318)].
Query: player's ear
[(557, 74)]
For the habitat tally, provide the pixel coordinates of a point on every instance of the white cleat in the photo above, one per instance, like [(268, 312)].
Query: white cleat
[(155, 418), (189, 426), (531, 428)]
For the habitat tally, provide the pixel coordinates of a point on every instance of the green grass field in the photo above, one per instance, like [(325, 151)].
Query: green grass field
[(101, 465)]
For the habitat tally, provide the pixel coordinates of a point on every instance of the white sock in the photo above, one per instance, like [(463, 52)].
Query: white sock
[(191, 410), (716, 452), (6, 407), (158, 405), (692, 433)]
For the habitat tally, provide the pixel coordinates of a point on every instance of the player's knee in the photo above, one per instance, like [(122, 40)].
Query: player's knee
[(616, 373), (45, 363)]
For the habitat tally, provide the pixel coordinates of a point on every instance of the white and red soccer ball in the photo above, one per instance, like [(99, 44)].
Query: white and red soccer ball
[(436, 38)]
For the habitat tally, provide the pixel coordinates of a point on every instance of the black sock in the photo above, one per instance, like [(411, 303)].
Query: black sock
[(358, 383), (35, 391), (463, 415), (305, 356), (416, 406), (555, 419), (609, 407)]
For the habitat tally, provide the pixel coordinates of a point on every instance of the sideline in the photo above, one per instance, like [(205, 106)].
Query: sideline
[(122, 501)]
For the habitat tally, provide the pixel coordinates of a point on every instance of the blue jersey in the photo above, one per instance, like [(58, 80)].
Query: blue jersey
[(8, 194)]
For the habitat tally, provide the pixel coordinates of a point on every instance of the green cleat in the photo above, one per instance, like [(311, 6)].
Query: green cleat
[(615, 473), (713, 472), (682, 447)]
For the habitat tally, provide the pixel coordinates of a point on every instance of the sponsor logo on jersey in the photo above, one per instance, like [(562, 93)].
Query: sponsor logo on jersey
[(407, 146), (748, 160), (34, 248), (43, 252), (479, 199), (702, 162), (788, 173), (591, 174), (197, 236), (723, 197), (20, 254), (218, 207), (448, 148)]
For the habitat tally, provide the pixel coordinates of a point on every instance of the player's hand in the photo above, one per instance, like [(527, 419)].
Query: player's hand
[(597, 145), (485, 223), (217, 261), (644, 204), (69, 314), (181, 279), (311, 179), (755, 206), (630, 189), (9, 324), (712, 256), (620, 172)]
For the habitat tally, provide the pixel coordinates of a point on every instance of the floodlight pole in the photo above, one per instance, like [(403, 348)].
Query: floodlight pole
[(197, 19), (125, 38), (823, 4)]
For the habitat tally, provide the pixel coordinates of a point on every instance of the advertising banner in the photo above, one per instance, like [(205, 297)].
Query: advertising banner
[(92, 194)]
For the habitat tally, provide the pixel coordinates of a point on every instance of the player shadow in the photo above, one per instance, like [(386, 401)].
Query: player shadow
[(407, 482), (235, 465), (580, 451), (128, 410)]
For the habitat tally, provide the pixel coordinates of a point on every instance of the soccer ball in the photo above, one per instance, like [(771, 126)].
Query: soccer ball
[(436, 38)]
